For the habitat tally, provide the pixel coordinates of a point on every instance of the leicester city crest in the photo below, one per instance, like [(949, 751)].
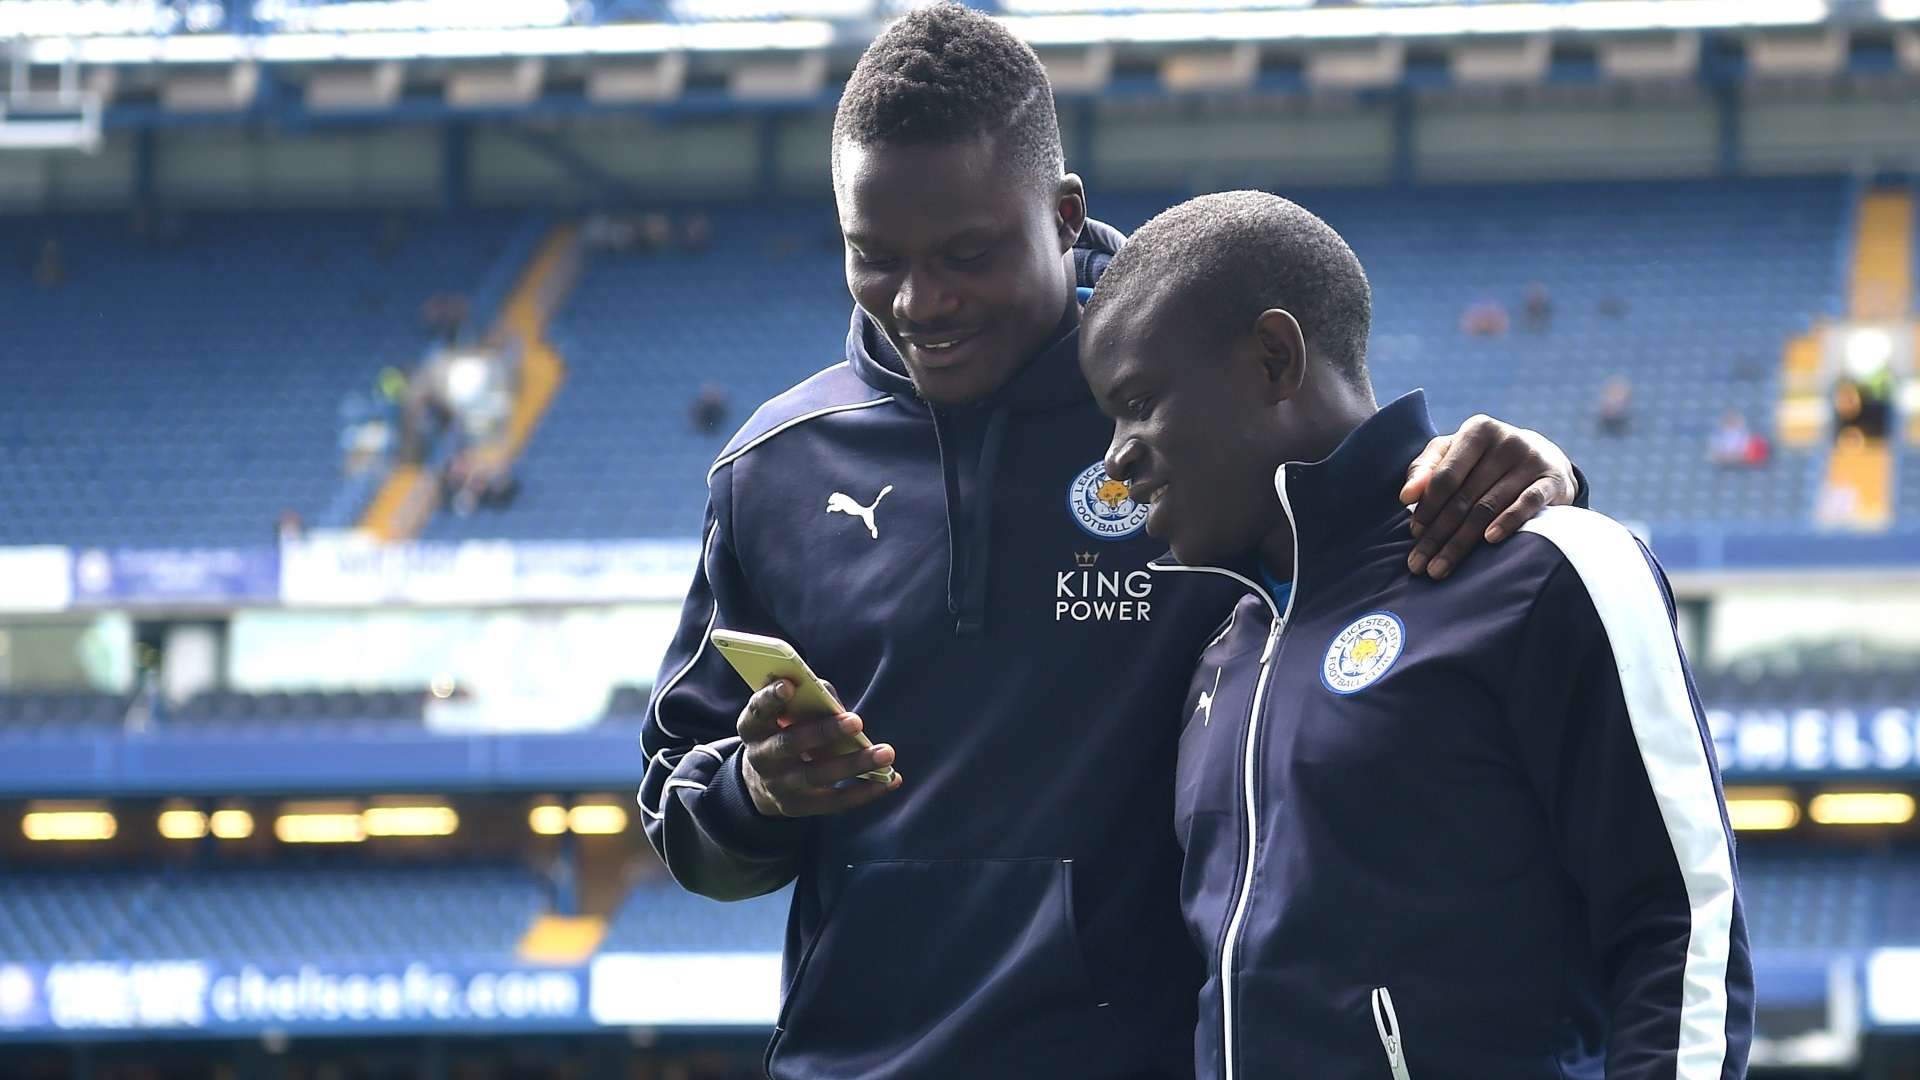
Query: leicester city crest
[(1363, 653), (1101, 505)]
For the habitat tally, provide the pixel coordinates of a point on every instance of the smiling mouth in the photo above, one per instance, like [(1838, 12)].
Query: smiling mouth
[(936, 350)]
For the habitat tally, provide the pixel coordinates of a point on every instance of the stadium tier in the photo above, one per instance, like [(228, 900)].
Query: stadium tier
[(1687, 290), (335, 914), (185, 389), (1751, 685), (662, 917), (1838, 900), (210, 401)]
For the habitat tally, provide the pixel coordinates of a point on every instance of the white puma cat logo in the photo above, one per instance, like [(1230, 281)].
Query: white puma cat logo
[(1206, 700), (844, 504)]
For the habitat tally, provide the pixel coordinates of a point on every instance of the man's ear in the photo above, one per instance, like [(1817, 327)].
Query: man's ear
[(1070, 210), (1282, 354)]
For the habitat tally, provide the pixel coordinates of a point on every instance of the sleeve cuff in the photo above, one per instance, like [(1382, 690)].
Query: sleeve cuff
[(1582, 494), (739, 825)]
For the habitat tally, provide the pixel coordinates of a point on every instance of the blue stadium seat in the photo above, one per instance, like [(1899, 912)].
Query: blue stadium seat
[(185, 393), (659, 916), (1709, 280), (340, 913)]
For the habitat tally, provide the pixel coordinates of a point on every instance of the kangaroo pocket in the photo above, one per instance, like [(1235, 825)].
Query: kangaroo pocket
[(948, 968)]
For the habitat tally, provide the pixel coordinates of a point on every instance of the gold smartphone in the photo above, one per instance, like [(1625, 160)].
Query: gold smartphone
[(760, 660)]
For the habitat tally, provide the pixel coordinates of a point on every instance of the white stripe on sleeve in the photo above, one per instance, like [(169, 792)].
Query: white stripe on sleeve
[(1633, 612)]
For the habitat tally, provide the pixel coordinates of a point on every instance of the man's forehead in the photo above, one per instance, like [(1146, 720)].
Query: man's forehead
[(950, 187)]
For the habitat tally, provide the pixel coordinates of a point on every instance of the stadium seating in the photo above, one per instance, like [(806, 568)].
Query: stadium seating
[(1688, 290), (337, 913), (1812, 898), (52, 915), (617, 454), (662, 917), (209, 402), (1798, 897), (229, 709), (467, 912), (1865, 685), (185, 391), (34, 714)]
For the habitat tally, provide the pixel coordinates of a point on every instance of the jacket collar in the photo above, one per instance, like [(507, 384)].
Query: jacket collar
[(1356, 488), (1344, 495)]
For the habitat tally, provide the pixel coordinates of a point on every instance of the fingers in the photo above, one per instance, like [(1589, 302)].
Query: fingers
[(1458, 512), (1539, 495), (761, 718), (805, 740), (839, 800), (1501, 498), (1419, 472), (803, 769), (1464, 450)]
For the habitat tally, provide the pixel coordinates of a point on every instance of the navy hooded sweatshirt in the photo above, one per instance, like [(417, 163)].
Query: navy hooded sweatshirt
[(1460, 831), (1012, 911)]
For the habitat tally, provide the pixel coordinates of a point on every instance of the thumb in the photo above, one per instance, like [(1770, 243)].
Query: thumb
[(1422, 469)]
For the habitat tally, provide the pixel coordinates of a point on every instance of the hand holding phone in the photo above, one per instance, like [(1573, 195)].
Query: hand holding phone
[(801, 748)]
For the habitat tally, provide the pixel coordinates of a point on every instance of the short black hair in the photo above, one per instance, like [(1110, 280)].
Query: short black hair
[(946, 74), (1230, 256)]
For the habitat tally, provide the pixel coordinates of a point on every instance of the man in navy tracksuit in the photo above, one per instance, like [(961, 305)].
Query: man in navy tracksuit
[(929, 523), (1470, 831)]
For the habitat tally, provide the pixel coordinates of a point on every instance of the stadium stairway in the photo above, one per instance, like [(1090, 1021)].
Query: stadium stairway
[(1859, 483), (562, 939), (409, 497)]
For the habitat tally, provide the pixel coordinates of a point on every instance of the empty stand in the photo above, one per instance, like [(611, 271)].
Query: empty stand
[(662, 917), (1812, 898), (269, 914), (185, 392), (1688, 290)]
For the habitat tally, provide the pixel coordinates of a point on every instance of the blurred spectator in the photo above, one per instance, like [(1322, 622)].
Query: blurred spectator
[(1616, 405), (1735, 445), (656, 231), (1484, 318), (709, 409), (469, 390), (443, 314), (606, 232), (1537, 309), (479, 477), (696, 232), (50, 270), (367, 419), (291, 528), (1865, 404)]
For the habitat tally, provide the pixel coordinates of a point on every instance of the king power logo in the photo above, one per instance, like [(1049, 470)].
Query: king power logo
[(1090, 594)]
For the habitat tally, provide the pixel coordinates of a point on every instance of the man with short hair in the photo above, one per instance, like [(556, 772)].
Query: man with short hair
[(930, 525), (1471, 830)]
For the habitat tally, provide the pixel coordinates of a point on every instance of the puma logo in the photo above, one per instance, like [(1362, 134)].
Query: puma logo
[(844, 504), (1206, 700)]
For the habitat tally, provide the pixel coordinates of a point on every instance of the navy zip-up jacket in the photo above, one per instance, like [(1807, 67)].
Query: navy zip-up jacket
[(1013, 911), (1470, 830)]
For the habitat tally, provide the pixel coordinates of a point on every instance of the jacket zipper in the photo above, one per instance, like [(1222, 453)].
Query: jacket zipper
[(1239, 909), (1249, 806), (1388, 1025)]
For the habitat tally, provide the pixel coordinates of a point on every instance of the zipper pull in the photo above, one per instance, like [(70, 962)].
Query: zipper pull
[(1388, 1025), (1273, 638)]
